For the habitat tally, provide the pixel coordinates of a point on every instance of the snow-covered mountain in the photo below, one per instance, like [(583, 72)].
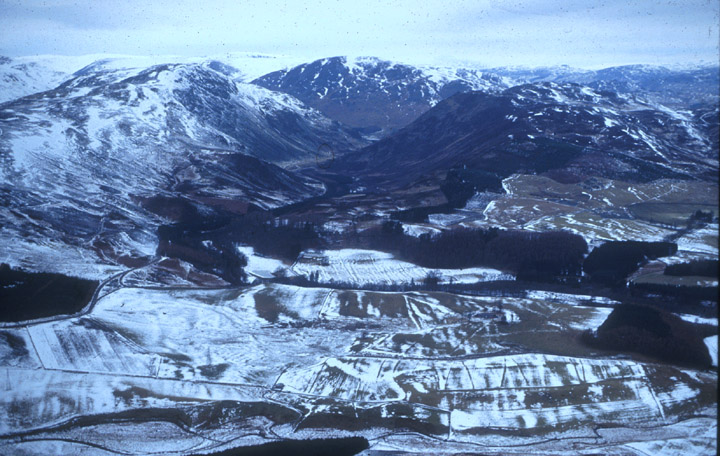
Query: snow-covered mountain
[(81, 160), (534, 128), (87, 161), (240, 66), (676, 86), (377, 95), (22, 76), (18, 78), (122, 112)]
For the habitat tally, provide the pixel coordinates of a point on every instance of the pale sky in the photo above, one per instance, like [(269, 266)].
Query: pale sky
[(585, 33)]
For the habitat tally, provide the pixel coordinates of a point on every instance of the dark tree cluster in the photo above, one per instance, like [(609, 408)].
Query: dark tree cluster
[(345, 446), (460, 184), (612, 262), (700, 218), (702, 268), (220, 257), (534, 256), (28, 295), (213, 249), (651, 332), (279, 238), (538, 256), (460, 248)]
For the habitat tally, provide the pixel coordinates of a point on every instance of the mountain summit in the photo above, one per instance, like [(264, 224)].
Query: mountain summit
[(376, 95)]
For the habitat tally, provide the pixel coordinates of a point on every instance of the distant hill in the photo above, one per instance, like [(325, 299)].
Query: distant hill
[(376, 95)]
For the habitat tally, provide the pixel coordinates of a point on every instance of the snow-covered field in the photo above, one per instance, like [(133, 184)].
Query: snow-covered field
[(572, 299), (260, 266), (373, 267), (598, 228), (199, 370), (418, 230), (703, 241)]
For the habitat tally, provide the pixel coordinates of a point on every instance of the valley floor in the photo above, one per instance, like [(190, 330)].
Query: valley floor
[(182, 371)]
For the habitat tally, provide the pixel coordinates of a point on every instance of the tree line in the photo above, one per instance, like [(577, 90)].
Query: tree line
[(612, 262), (553, 256), (529, 255), (29, 295), (651, 332)]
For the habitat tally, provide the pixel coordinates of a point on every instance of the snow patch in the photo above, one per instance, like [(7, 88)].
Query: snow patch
[(712, 345), (259, 265)]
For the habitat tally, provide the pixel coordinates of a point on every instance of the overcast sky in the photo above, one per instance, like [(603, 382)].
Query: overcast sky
[(585, 33)]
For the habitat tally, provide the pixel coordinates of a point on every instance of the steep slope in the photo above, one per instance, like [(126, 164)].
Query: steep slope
[(271, 126), (539, 127), (373, 94), (79, 162)]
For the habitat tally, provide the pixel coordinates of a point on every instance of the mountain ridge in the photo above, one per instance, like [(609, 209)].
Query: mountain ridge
[(373, 94), (105, 141), (535, 128)]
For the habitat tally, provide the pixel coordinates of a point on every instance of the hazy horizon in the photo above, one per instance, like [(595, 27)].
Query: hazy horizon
[(525, 33)]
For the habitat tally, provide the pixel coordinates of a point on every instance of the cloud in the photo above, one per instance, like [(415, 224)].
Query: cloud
[(584, 33), (69, 14)]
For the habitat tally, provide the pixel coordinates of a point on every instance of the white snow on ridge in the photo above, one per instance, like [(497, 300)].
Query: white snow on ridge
[(26, 75), (70, 63), (251, 64)]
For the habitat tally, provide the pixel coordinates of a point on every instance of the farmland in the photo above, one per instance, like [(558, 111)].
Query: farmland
[(363, 267), (598, 209), (311, 348), (277, 361)]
